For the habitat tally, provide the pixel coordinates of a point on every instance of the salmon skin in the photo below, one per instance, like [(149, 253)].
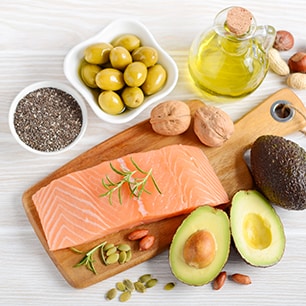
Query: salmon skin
[(72, 210)]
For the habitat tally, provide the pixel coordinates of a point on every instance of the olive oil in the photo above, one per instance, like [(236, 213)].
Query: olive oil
[(226, 66)]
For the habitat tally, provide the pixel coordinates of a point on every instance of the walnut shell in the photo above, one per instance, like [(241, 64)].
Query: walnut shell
[(212, 126), (170, 118)]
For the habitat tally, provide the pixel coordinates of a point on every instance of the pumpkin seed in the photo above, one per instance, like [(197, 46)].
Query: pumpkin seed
[(151, 283), (113, 258), (111, 251), (128, 255), (120, 286), (108, 246), (111, 294), (125, 296), (140, 287), (169, 286), (123, 247), (122, 257), (144, 278), (129, 285)]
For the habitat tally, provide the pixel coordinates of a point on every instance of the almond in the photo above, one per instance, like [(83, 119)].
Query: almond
[(146, 242), (219, 281), (241, 279), (138, 234)]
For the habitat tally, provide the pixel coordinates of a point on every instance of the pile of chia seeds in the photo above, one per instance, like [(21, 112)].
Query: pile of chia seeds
[(48, 119)]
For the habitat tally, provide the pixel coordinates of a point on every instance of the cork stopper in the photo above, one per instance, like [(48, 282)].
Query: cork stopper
[(239, 20)]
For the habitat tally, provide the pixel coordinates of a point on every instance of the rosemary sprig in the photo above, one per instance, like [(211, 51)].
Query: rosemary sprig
[(136, 185), (88, 260)]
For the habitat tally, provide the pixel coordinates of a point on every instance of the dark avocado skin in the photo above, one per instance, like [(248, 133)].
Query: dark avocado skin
[(279, 171)]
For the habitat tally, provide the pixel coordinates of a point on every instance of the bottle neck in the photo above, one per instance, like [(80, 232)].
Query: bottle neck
[(233, 46)]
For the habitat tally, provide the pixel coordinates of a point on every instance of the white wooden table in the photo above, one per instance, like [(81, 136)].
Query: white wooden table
[(34, 38)]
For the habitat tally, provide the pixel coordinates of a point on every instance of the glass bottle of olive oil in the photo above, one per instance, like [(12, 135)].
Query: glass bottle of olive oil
[(225, 65)]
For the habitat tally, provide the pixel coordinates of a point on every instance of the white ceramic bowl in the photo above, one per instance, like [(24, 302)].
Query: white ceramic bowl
[(45, 84), (121, 26)]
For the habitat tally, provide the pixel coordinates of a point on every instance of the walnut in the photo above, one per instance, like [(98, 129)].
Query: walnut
[(170, 118), (212, 126)]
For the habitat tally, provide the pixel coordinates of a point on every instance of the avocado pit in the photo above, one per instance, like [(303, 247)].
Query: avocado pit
[(200, 246), (200, 249)]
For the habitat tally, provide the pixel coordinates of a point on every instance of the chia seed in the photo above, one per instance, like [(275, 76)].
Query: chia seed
[(48, 119)]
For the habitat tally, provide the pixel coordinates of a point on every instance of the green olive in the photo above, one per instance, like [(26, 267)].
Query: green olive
[(110, 102), (97, 53), (135, 74), (110, 79), (120, 57), (132, 97), (156, 79), (88, 74), (128, 41), (147, 55)]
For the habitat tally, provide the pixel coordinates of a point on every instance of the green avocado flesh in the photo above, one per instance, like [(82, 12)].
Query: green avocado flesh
[(279, 171), (204, 221), (256, 229)]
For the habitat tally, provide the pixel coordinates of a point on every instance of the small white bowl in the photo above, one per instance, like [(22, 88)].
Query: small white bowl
[(46, 84), (121, 26)]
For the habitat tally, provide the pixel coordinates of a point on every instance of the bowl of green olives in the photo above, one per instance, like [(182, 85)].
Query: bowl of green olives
[(121, 71)]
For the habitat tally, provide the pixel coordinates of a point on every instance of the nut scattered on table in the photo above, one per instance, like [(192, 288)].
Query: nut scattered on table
[(297, 62), (284, 41), (170, 118), (297, 80), (219, 280), (138, 234), (277, 64), (212, 126), (146, 242), (241, 279)]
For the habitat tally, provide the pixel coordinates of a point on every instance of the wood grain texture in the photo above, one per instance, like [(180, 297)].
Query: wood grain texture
[(227, 161)]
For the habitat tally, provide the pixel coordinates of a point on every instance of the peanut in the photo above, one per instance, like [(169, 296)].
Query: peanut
[(241, 279), (219, 281), (138, 234), (146, 242), (277, 64), (297, 80)]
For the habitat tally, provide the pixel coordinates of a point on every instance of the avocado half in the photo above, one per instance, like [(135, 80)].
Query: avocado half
[(200, 246), (257, 230), (279, 171)]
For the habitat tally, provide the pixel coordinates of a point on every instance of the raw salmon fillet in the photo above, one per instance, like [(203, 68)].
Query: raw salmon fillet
[(72, 211)]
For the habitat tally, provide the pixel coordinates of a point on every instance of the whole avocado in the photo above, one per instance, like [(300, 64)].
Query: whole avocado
[(279, 171)]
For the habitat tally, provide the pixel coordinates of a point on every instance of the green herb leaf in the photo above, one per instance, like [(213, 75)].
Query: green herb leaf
[(88, 260), (137, 186)]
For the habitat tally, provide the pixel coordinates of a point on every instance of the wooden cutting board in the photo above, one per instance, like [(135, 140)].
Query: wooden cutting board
[(227, 161)]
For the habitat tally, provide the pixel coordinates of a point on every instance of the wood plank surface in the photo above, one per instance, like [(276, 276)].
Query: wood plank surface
[(227, 161)]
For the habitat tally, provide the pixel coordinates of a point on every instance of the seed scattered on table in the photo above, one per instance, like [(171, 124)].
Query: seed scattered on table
[(127, 287), (111, 294), (48, 119), (169, 286)]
